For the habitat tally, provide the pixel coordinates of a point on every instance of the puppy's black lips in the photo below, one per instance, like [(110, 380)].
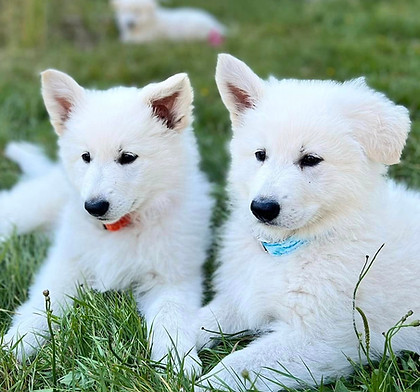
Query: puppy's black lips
[(269, 224), (107, 220), (111, 221)]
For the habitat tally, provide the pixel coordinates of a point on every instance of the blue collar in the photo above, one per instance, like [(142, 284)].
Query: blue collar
[(282, 248)]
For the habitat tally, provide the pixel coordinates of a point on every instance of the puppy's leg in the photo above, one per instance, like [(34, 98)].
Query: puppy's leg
[(29, 327), (33, 203), (171, 311), (216, 318), (274, 361)]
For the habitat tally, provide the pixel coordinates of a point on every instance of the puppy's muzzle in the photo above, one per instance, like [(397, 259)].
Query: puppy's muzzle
[(97, 207), (265, 210)]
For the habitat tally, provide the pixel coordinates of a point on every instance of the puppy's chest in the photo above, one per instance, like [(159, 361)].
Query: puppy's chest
[(114, 261), (282, 289), (266, 300)]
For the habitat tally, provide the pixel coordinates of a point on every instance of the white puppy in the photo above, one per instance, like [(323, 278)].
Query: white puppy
[(136, 213), (309, 200), (145, 21)]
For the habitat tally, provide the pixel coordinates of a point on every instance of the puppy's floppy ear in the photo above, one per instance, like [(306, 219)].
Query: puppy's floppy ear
[(171, 101), (239, 87), (61, 95), (380, 125)]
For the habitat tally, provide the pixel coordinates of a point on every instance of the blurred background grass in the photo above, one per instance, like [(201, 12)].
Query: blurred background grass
[(323, 39), (288, 38)]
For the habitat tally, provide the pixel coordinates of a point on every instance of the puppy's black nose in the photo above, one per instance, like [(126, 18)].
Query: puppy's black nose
[(265, 210), (131, 24), (96, 207)]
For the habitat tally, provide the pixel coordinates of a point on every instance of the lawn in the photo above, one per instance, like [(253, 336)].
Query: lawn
[(100, 344)]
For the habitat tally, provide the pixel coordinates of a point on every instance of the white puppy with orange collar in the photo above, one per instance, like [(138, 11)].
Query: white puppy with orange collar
[(132, 211)]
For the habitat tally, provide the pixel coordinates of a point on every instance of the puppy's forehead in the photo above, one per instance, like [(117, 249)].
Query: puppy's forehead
[(294, 117), (112, 110), (114, 102), (294, 109), (296, 97)]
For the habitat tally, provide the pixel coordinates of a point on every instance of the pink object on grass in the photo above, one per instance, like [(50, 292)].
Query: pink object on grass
[(215, 38)]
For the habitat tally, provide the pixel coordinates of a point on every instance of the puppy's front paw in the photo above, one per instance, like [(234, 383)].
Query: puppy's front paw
[(23, 344), (188, 364), (219, 378), (206, 338), (229, 374), (191, 364), (210, 329)]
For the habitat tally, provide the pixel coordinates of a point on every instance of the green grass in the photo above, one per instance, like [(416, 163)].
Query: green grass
[(101, 343)]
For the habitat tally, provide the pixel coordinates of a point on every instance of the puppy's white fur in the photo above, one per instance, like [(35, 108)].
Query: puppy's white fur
[(24, 208), (160, 254), (344, 207), (145, 21)]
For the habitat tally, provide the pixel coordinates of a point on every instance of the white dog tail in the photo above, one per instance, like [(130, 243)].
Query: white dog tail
[(30, 158), (36, 201)]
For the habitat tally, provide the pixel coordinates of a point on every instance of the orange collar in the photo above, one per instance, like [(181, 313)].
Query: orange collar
[(118, 225)]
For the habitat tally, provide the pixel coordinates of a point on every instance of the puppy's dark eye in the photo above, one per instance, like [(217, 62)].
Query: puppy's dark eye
[(310, 160), (260, 155), (127, 158), (86, 157)]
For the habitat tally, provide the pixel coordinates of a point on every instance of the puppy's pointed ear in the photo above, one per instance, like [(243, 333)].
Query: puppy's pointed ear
[(380, 125), (171, 101), (239, 87), (61, 95)]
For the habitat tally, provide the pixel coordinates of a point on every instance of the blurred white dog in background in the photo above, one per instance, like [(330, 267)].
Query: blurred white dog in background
[(145, 21)]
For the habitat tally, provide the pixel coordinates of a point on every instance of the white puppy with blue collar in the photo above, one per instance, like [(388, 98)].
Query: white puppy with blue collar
[(309, 201)]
